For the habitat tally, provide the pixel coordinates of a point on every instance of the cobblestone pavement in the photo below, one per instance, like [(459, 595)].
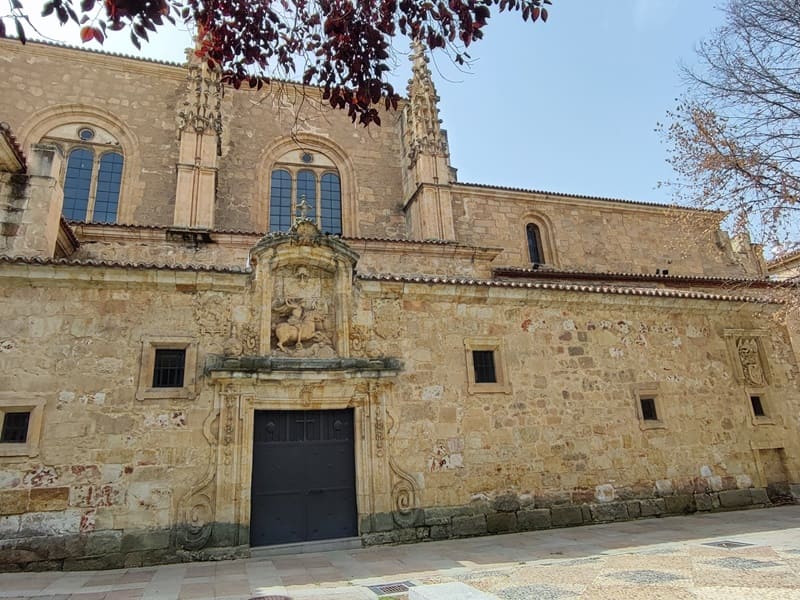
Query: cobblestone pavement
[(671, 558)]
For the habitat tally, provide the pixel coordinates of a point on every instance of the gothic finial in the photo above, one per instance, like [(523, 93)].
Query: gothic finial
[(424, 134), (201, 107)]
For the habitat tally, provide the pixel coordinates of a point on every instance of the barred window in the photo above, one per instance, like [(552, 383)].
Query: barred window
[(169, 367)]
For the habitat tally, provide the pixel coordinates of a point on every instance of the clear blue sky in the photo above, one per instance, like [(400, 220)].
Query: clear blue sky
[(566, 106)]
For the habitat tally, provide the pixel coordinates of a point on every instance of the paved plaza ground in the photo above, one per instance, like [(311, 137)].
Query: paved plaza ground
[(671, 558)]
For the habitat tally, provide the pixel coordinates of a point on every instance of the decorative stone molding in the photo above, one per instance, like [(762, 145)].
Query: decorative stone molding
[(40, 123)]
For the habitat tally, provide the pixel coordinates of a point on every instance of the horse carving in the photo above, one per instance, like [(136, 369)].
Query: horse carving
[(299, 327)]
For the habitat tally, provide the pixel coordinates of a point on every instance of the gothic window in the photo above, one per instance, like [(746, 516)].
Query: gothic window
[(93, 173), (309, 180), (535, 244)]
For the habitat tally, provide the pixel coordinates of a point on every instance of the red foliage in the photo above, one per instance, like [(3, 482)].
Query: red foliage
[(341, 45)]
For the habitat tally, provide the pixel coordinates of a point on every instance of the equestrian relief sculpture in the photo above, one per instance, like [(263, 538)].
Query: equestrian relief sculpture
[(297, 321)]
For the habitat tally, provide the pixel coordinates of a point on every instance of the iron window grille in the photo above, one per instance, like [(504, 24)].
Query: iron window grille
[(169, 367)]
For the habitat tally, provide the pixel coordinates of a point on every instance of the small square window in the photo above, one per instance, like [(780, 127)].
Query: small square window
[(648, 409), (168, 368), (483, 363), (20, 423), (760, 413), (486, 369), (758, 407), (15, 427), (648, 406)]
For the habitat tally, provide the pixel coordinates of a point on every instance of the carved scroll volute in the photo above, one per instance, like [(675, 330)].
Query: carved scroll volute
[(196, 509), (405, 492)]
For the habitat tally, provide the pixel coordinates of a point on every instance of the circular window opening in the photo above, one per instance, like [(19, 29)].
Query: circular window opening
[(307, 157), (85, 134)]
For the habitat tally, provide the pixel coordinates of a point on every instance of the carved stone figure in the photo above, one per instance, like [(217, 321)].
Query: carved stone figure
[(747, 348), (299, 325)]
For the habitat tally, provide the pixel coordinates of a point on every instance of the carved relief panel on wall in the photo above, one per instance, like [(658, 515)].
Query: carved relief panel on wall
[(303, 313), (752, 371), (749, 360)]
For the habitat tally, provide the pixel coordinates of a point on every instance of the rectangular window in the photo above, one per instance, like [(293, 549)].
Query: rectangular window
[(649, 409), (169, 367), (15, 427), (483, 363), (758, 407)]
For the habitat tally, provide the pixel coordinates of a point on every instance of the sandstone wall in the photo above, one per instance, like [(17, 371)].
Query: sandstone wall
[(599, 235), (140, 96), (561, 435), (110, 469), (568, 422)]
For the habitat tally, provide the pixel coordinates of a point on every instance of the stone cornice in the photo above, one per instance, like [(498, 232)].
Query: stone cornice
[(559, 199), (504, 288), (96, 58)]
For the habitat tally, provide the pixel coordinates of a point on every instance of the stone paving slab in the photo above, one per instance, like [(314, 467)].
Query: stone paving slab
[(649, 559)]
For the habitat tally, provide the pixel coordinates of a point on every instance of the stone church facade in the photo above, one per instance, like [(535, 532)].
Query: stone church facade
[(233, 319)]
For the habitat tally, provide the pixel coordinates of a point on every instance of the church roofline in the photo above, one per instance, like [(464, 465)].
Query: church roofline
[(39, 261), (259, 234), (584, 197), (789, 257), (549, 273), (154, 61), (565, 287), (97, 51)]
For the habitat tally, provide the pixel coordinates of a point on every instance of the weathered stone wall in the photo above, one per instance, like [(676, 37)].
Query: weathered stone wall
[(559, 443), (144, 97), (255, 120), (567, 432), (103, 486), (141, 97), (599, 235)]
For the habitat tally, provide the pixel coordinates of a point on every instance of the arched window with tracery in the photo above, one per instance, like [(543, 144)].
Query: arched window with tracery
[(310, 180), (93, 174)]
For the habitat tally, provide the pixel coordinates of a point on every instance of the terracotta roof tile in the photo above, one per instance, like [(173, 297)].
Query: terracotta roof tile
[(5, 131), (566, 287), (549, 273), (28, 260)]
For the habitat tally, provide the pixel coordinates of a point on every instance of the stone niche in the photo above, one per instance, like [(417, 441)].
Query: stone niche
[(303, 286)]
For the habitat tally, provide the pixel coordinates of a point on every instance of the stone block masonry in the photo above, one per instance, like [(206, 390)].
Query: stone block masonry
[(481, 518)]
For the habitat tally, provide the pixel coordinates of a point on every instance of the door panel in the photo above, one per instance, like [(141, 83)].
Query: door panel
[(303, 485)]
